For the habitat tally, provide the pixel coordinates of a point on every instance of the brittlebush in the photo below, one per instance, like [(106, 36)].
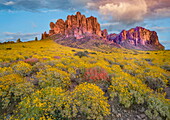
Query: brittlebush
[(89, 102), (12, 89), (53, 77), (131, 91), (48, 103), (22, 68)]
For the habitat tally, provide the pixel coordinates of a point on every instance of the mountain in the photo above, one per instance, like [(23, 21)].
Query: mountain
[(137, 38), (77, 30)]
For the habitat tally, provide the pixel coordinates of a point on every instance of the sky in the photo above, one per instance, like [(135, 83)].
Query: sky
[(27, 19)]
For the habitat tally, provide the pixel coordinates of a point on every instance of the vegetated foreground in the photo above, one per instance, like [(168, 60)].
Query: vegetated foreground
[(45, 80)]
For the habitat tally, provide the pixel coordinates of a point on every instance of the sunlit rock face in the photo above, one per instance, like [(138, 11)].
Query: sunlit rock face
[(138, 36), (76, 25)]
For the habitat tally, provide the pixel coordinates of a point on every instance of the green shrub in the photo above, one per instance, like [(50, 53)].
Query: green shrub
[(48, 103), (127, 89), (157, 107), (53, 77), (12, 89), (166, 67), (22, 68), (131, 91), (89, 102), (154, 79), (81, 54), (5, 71)]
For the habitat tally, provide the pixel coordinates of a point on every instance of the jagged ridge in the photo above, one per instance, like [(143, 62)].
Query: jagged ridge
[(79, 27)]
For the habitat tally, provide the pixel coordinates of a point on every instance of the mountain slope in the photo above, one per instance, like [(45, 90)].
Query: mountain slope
[(46, 77)]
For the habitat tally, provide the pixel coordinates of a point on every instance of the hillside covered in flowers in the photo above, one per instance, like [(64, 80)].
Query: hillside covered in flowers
[(44, 80)]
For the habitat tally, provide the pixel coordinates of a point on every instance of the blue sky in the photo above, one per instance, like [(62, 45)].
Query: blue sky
[(27, 19)]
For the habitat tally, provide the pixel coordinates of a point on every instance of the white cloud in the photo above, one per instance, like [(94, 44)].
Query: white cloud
[(124, 12), (9, 3)]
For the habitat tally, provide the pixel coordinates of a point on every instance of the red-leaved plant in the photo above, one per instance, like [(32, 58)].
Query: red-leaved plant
[(96, 74), (31, 61)]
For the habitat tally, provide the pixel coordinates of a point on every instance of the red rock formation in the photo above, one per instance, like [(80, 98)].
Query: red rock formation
[(44, 35), (104, 33), (76, 25), (137, 36)]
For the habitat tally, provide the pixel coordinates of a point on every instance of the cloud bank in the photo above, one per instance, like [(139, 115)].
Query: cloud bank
[(123, 11), (9, 36)]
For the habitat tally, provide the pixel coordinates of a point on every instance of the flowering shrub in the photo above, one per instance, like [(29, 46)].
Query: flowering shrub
[(22, 68), (5, 71), (132, 91), (156, 107), (96, 74), (12, 89), (129, 90), (48, 103), (89, 102), (31, 61), (53, 77)]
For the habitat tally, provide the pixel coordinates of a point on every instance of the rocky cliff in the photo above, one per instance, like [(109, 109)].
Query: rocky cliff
[(79, 27), (138, 37), (76, 25)]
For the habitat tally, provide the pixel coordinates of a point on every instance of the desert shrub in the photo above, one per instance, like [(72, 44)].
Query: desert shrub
[(89, 102), (81, 54), (132, 69), (86, 101), (40, 66), (5, 64), (157, 107), (93, 53), (31, 61), (22, 68), (149, 60), (5, 71), (8, 48), (48, 103), (166, 67), (154, 79), (53, 77), (12, 89), (155, 83), (86, 52), (96, 74), (131, 91), (127, 89)]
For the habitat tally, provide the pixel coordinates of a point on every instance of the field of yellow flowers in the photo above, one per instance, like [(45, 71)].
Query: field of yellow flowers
[(45, 80)]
